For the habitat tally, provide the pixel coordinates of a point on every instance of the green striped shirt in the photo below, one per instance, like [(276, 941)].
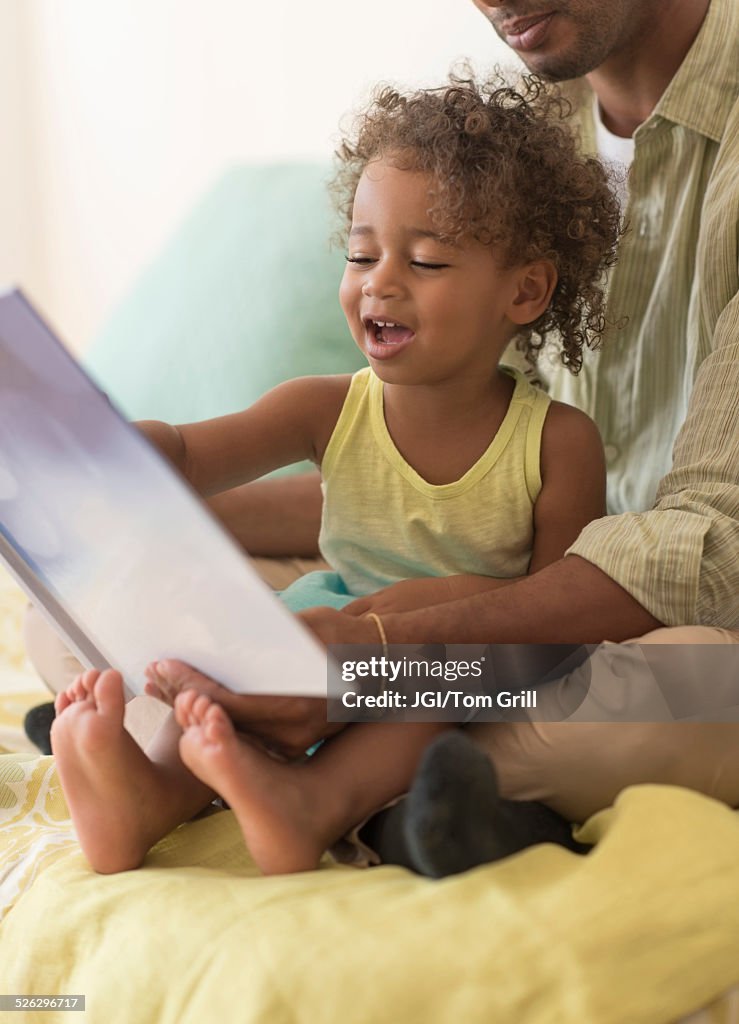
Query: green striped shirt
[(664, 389)]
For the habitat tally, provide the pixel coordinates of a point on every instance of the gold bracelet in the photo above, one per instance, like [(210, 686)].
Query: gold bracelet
[(380, 629)]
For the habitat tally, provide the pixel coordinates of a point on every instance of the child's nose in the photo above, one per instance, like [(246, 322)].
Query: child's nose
[(383, 281)]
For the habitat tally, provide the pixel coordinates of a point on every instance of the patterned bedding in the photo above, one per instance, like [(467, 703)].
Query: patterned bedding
[(644, 929)]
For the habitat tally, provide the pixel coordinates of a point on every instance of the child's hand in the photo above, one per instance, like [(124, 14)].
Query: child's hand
[(285, 725)]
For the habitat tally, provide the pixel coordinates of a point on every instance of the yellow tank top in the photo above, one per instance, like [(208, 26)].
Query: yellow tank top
[(383, 523)]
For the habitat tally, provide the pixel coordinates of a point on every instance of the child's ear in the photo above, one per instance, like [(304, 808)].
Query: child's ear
[(535, 284)]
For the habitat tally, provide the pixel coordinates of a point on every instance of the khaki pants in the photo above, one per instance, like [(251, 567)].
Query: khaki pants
[(576, 767)]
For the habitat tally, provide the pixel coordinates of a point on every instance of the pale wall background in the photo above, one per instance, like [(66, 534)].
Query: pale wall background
[(115, 115)]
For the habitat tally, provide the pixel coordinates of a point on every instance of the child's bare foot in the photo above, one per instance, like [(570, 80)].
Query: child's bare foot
[(121, 802), (269, 798)]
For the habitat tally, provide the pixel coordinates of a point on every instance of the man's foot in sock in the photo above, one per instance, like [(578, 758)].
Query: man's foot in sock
[(37, 726), (455, 818), (270, 798)]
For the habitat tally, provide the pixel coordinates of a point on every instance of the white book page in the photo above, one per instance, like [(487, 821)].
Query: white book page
[(106, 526)]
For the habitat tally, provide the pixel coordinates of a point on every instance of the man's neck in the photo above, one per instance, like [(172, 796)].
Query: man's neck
[(630, 82)]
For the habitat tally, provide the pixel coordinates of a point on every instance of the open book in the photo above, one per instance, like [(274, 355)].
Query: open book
[(114, 546)]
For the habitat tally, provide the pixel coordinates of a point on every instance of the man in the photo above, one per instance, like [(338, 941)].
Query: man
[(663, 391)]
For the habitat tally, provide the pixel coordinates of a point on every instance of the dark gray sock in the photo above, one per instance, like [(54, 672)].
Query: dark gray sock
[(385, 833), (455, 818), (37, 726)]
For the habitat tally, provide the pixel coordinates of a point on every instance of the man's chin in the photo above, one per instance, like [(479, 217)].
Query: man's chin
[(557, 69)]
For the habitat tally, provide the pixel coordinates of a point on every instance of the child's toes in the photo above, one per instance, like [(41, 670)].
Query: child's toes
[(76, 691), (183, 708), (108, 694), (217, 724), (86, 682), (62, 702), (200, 707)]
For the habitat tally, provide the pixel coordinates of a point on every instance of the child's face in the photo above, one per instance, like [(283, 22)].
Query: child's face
[(446, 304)]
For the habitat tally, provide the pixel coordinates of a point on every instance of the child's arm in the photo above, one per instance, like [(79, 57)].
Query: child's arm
[(573, 483), (573, 493), (291, 423)]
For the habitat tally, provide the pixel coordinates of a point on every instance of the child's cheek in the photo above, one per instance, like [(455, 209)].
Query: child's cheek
[(349, 300), (345, 290)]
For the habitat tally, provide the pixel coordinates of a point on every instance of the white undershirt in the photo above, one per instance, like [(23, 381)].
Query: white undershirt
[(615, 151)]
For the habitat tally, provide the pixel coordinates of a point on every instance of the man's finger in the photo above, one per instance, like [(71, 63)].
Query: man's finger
[(175, 676), (152, 689), (359, 607), (256, 709)]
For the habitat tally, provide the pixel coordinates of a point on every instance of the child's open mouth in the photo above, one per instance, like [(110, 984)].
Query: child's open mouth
[(385, 338)]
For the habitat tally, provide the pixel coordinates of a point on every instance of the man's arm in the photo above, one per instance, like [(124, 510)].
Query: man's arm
[(570, 601), (680, 559), (275, 518)]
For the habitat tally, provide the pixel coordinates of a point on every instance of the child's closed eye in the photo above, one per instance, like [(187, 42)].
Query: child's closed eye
[(429, 266)]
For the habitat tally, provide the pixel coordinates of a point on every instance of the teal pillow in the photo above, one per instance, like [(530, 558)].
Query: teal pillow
[(244, 296)]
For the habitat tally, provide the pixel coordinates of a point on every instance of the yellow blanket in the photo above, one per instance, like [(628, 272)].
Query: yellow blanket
[(644, 929), (20, 688)]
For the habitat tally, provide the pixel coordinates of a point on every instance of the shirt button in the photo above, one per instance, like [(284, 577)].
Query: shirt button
[(611, 452)]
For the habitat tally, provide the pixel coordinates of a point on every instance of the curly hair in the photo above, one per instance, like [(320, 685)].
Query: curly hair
[(506, 171)]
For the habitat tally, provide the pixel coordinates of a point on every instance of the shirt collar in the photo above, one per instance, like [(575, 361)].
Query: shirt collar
[(703, 90), (706, 85)]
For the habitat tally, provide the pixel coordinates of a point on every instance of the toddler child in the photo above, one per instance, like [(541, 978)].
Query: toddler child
[(472, 222)]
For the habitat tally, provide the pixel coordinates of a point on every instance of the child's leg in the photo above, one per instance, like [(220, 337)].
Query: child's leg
[(291, 813), (121, 800)]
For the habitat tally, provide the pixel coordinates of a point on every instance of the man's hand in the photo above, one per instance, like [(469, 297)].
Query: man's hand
[(338, 627), (285, 725)]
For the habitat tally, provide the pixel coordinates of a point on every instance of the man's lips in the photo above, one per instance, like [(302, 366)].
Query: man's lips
[(525, 34)]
